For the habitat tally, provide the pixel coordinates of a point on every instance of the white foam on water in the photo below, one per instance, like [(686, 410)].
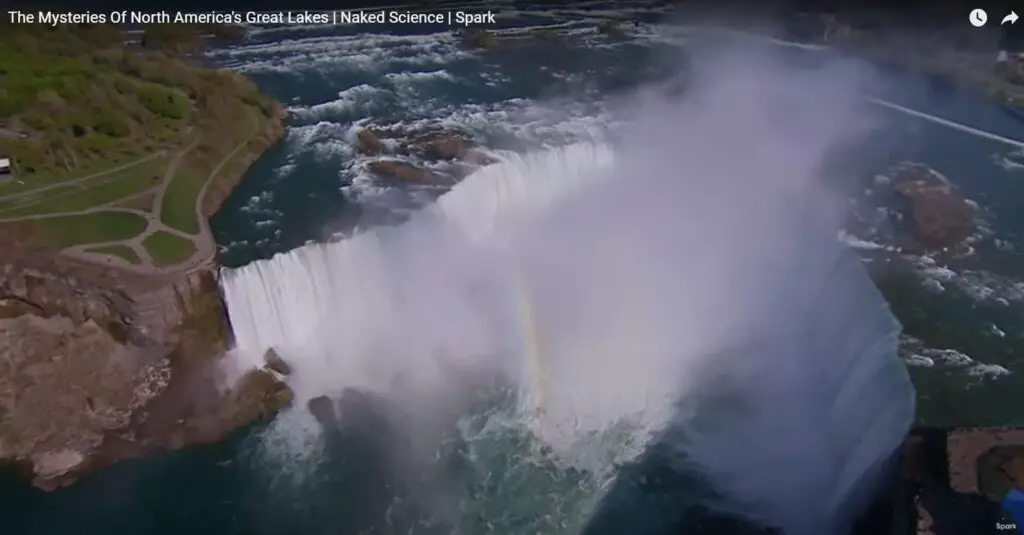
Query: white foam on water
[(406, 77), (532, 123), (348, 101), (359, 52), (915, 353), (864, 245), (979, 285)]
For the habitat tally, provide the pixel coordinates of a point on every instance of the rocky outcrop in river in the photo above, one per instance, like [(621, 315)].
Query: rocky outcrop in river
[(939, 215), (455, 152)]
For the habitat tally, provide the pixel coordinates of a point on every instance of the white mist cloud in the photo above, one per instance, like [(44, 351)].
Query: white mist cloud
[(706, 273), (697, 267)]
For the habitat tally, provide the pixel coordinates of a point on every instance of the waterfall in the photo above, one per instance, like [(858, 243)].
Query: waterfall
[(826, 367), (296, 302), (801, 417), (687, 283)]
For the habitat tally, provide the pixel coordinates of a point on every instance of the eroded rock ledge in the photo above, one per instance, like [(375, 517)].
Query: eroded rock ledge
[(98, 366)]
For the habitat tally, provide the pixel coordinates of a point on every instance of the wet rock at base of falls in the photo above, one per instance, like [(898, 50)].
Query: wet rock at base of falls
[(353, 410), (257, 395), (322, 408), (940, 217), (275, 363)]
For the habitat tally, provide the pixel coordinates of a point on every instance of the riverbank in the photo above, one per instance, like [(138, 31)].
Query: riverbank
[(120, 153), (111, 316)]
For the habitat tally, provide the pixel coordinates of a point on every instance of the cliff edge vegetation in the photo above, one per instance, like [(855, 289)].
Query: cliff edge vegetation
[(120, 151), (111, 324)]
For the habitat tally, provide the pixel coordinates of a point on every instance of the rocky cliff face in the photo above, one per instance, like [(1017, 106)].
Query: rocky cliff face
[(97, 366)]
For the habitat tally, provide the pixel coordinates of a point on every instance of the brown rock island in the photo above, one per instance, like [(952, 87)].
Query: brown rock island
[(111, 322), (939, 216)]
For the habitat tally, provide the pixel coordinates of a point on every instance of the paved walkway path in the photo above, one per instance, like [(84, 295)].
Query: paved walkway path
[(203, 245), (80, 180)]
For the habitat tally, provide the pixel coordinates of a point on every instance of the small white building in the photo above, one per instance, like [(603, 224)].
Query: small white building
[(5, 167)]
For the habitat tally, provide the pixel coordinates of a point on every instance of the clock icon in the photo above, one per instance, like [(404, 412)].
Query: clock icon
[(978, 18)]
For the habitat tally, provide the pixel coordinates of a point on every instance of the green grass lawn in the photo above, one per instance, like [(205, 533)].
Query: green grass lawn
[(88, 122), (200, 166), (121, 251), (40, 180), (167, 249), (26, 184), (178, 209), (78, 103), (108, 225), (96, 192), (234, 166), (34, 197)]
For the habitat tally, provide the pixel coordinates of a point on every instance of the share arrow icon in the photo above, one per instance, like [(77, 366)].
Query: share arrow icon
[(1011, 18)]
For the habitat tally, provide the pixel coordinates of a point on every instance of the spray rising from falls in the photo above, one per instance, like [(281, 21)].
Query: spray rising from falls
[(312, 301), (687, 280)]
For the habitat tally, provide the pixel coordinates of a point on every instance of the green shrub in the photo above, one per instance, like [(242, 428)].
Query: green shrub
[(113, 126), (163, 102), (98, 143)]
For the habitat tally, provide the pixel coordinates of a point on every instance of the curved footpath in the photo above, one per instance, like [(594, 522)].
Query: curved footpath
[(80, 180), (203, 245)]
